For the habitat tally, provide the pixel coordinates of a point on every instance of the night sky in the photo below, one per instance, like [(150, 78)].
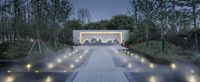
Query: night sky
[(102, 9)]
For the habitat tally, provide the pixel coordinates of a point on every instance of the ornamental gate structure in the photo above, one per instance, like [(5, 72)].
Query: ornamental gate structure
[(100, 37)]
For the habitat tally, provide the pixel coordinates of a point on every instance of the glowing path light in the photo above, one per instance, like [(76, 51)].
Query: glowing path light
[(59, 60), (131, 54), (76, 50), (152, 79), (136, 56), (9, 71), (151, 65), (81, 57), (125, 60), (28, 66), (50, 65), (65, 56), (10, 79), (77, 60), (83, 54), (173, 66), (65, 71), (72, 66), (192, 71), (36, 71), (48, 79), (129, 65), (116, 52), (142, 60), (70, 54), (191, 78), (86, 51), (73, 52)]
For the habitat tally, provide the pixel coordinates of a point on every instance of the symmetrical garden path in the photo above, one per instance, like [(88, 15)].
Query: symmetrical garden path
[(100, 68)]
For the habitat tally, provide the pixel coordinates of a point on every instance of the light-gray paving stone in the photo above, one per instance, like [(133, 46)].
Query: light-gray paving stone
[(100, 68)]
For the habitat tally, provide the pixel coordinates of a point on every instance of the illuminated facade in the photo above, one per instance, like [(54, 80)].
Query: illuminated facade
[(100, 36)]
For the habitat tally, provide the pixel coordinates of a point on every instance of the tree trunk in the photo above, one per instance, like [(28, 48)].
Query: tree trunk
[(147, 34), (162, 27), (195, 26)]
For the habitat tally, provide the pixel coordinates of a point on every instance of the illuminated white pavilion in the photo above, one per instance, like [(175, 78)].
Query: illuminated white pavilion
[(105, 36)]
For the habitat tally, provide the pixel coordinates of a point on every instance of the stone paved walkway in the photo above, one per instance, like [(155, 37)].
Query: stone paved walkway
[(100, 68)]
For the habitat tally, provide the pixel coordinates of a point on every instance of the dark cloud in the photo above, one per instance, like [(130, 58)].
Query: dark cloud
[(102, 9)]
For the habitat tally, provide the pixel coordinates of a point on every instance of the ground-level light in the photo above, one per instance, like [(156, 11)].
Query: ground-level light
[(77, 60), (152, 79), (65, 71), (142, 60), (83, 54), (192, 71), (59, 60), (173, 66), (70, 54), (50, 65), (191, 78), (72, 66), (9, 71), (48, 79), (129, 65), (10, 79), (131, 54), (151, 65), (136, 56), (28, 66), (65, 56), (36, 71), (80, 57)]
